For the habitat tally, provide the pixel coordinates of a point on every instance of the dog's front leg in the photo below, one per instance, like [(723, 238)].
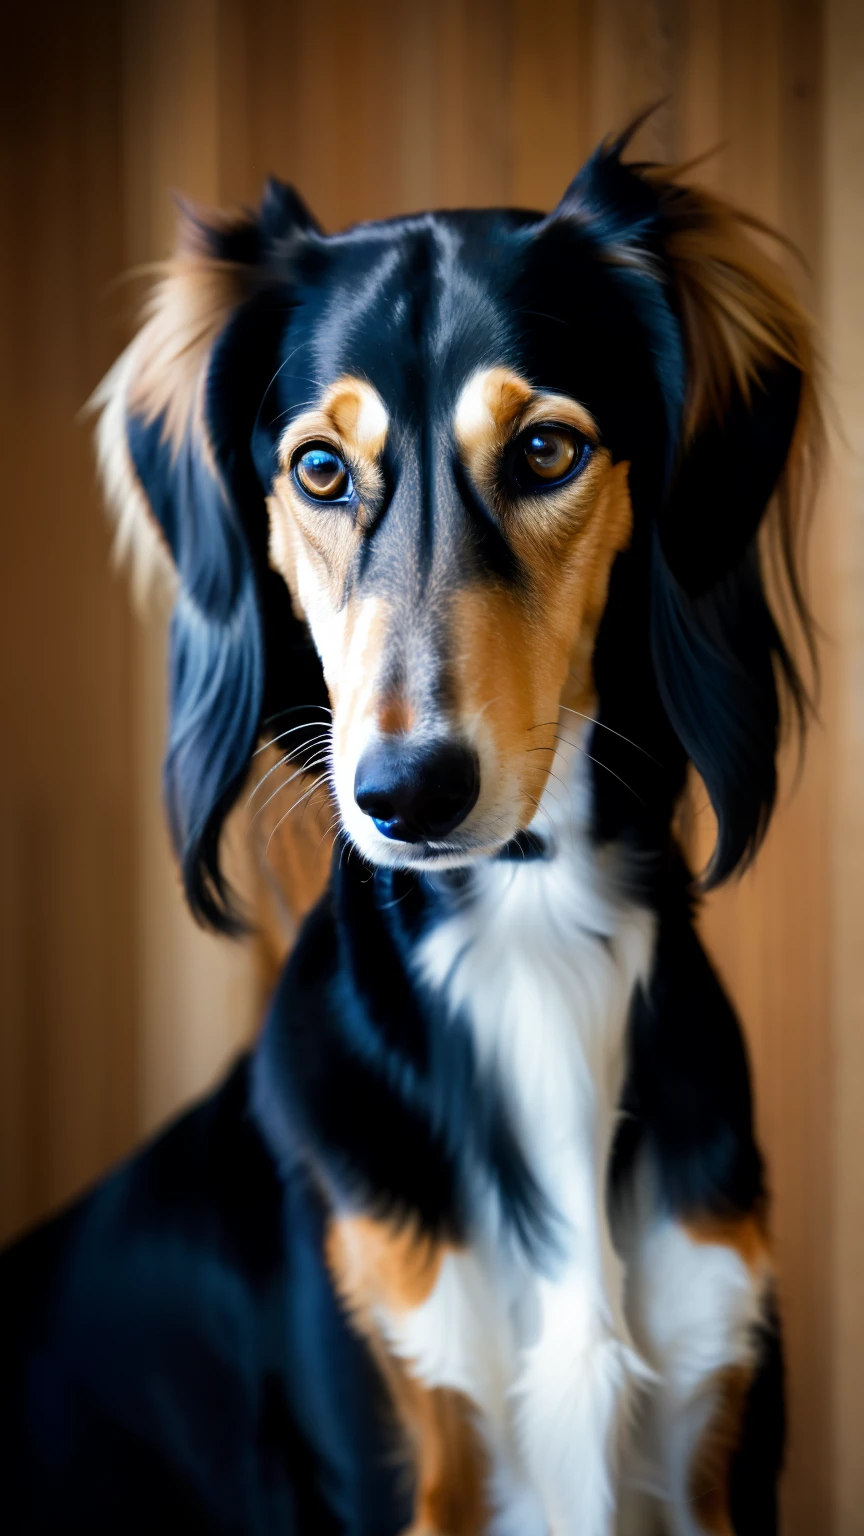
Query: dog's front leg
[(436, 1331)]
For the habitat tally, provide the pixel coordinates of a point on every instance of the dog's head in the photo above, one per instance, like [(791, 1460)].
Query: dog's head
[(496, 465)]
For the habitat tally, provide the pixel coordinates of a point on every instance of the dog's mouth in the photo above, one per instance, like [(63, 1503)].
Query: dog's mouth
[(524, 845), (454, 854)]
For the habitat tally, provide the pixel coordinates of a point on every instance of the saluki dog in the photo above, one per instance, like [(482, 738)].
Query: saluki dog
[(466, 506)]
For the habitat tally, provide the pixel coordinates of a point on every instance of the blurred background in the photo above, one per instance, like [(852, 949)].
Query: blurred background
[(114, 1009)]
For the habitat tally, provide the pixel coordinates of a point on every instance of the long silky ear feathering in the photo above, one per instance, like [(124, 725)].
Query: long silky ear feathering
[(745, 437), (160, 377), (176, 467), (747, 466)]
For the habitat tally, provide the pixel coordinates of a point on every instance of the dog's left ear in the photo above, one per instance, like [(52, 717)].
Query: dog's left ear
[(748, 384), (179, 411), (748, 443), (732, 352)]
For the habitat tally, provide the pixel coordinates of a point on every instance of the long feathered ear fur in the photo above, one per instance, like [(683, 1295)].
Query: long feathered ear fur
[(733, 353), (177, 415)]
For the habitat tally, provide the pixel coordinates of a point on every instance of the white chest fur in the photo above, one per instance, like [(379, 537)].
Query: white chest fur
[(542, 963)]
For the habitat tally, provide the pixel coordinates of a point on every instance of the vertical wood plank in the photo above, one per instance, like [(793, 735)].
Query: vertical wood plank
[(67, 1018), (198, 997), (843, 157), (551, 119)]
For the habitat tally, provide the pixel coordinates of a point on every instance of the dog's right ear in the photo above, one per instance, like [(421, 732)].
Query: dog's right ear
[(177, 416)]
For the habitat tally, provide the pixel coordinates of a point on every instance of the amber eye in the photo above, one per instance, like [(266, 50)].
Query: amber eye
[(321, 473), (549, 453)]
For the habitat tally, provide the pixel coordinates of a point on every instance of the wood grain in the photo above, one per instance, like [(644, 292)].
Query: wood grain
[(844, 504)]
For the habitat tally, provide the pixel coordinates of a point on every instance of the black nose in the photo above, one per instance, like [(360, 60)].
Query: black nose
[(417, 793)]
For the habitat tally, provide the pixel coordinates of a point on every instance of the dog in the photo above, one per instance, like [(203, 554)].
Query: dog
[(476, 1239)]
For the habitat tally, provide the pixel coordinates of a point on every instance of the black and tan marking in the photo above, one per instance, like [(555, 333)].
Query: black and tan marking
[(480, 651), (379, 1267)]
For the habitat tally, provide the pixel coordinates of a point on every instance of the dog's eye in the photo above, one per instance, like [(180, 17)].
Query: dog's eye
[(545, 457), (550, 454), (321, 473)]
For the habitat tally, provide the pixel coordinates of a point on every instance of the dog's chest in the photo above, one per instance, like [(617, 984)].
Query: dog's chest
[(541, 967)]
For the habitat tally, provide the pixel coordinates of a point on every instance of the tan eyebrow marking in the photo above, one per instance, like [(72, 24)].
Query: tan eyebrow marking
[(497, 401), (352, 411)]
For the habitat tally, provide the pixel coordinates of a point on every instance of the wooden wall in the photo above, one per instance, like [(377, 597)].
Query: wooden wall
[(843, 311), (118, 1008), (67, 985)]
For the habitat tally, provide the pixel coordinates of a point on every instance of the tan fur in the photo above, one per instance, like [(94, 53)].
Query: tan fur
[(496, 404), (313, 561), (739, 309), (352, 417), (321, 538), (486, 412), (377, 1264), (139, 543), (745, 1235), (517, 658), (359, 416), (162, 372), (355, 691), (292, 840), (708, 1483), (186, 313), (451, 1460), (395, 716)]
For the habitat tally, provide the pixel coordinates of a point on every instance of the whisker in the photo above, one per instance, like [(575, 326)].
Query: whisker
[(555, 753), (289, 732), (596, 760), (331, 790), (304, 768), (541, 808), (488, 705), (292, 710), (612, 732), (334, 821), (286, 758), (306, 793), (542, 315), (284, 364), (613, 773)]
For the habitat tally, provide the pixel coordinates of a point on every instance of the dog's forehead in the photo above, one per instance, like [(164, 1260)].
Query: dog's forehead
[(414, 307)]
